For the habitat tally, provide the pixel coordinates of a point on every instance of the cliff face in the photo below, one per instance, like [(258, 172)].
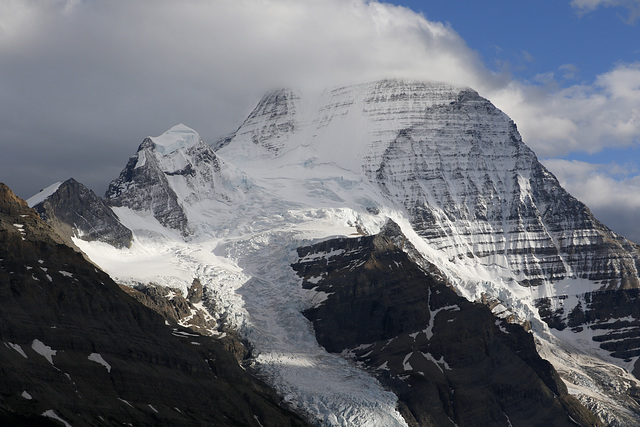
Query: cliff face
[(78, 348), (475, 190), (451, 362)]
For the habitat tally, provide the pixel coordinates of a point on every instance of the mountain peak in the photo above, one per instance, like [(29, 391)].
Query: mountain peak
[(179, 136), (73, 210)]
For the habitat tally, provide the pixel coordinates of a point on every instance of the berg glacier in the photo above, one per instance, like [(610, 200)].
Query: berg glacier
[(441, 162)]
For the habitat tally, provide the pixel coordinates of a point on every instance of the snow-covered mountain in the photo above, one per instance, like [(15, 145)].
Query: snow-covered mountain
[(471, 200), (458, 167), (171, 173)]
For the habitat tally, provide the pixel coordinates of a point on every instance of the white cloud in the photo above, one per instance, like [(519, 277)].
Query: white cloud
[(632, 6), (92, 78), (612, 191), (585, 118), (160, 62)]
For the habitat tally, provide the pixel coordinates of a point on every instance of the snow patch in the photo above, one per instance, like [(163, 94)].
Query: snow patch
[(51, 414), (432, 318), (26, 395), (126, 402), (502, 328), (440, 363), (43, 194), (319, 255), (384, 366), (96, 357), (43, 350), (17, 348), (405, 363)]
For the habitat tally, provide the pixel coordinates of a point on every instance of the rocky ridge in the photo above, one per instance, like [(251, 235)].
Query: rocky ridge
[(73, 210), (165, 180), (190, 311)]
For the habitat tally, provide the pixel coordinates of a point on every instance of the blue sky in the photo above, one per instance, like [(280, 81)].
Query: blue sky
[(82, 82), (531, 38)]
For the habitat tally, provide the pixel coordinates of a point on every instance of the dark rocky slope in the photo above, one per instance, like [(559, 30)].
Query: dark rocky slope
[(450, 361), (75, 347), (75, 210)]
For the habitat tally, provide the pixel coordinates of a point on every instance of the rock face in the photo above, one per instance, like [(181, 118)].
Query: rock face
[(451, 362), (74, 210), (169, 172), (279, 109), (458, 165), (474, 190), (75, 347)]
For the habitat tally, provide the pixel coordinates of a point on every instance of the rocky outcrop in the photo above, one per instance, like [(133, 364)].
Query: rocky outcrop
[(450, 361), (191, 312), (73, 210), (610, 317), (75, 347)]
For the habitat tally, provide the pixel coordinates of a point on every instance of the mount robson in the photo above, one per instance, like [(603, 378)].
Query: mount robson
[(384, 254)]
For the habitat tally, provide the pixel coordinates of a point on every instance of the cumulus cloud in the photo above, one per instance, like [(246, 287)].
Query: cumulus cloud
[(587, 118), (612, 191)]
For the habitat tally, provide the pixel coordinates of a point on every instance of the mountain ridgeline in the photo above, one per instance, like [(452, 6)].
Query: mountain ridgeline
[(440, 205)]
